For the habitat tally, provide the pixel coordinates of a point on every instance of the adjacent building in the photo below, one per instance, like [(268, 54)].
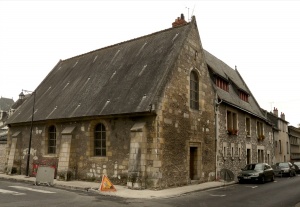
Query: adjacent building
[(5, 104), (281, 136), (294, 138), (243, 133)]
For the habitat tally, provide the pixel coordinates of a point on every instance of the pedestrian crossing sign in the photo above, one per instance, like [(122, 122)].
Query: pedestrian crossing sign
[(106, 185)]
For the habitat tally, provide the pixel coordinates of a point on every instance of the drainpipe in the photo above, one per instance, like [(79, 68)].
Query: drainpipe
[(216, 133)]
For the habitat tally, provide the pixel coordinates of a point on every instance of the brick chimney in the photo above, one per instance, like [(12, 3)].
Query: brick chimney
[(179, 21), (282, 116), (275, 111)]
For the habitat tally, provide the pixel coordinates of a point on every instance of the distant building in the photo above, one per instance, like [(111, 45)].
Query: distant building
[(281, 136), (294, 135), (5, 104)]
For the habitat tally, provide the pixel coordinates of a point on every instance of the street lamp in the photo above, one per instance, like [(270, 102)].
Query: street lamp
[(29, 145)]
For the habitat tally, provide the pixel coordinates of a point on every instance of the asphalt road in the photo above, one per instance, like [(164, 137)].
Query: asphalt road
[(284, 192)]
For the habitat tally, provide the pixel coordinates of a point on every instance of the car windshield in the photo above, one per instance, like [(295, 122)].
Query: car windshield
[(254, 167), (297, 163), (284, 164)]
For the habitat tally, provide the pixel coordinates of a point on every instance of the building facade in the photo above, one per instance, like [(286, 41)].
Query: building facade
[(140, 112), (5, 104), (244, 135), (281, 136), (294, 138)]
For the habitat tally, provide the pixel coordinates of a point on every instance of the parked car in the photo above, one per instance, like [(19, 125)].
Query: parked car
[(284, 168), (298, 166), (256, 172)]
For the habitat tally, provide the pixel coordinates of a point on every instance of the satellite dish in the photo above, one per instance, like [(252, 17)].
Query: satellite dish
[(227, 175)]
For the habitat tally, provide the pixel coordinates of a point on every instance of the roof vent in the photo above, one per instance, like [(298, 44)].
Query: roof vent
[(179, 21)]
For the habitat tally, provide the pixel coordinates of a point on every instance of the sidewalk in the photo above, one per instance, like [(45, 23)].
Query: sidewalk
[(123, 191)]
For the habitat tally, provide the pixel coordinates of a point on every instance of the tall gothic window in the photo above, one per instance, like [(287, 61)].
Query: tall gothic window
[(194, 90), (100, 140), (52, 140)]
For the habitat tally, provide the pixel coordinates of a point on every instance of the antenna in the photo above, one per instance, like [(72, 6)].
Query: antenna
[(193, 10), (188, 13), (271, 103)]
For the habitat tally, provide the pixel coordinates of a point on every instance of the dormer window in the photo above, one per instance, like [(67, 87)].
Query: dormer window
[(221, 83), (244, 96)]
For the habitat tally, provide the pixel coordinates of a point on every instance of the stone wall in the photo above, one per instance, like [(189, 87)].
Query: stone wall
[(2, 156), (183, 129), (232, 149), (82, 163)]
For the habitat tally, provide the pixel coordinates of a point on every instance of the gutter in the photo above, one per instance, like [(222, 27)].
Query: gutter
[(216, 133)]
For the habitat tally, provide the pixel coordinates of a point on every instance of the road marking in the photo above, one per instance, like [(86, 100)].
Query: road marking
[(32, 189), (217, 195), (251, 186), (11, 192)]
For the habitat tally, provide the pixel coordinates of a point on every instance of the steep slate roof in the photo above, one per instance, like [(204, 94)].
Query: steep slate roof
[(5, 103), (120, 79), (220, 68)]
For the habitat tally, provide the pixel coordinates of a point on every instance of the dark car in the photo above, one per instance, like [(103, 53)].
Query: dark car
[(284, 168), (256, 172), (297, 166)]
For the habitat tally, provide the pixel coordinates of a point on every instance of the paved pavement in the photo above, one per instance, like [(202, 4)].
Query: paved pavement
[(123, 191)]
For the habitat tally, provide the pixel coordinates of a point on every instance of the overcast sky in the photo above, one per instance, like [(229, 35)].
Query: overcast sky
[(262, 38)]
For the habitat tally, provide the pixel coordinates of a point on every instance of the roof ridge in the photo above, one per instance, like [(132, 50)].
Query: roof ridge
[(6, 98), (148, 35)]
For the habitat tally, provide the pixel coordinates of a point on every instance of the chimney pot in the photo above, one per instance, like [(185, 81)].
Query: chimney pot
[(282, 116), (275, 112), (179, 21)]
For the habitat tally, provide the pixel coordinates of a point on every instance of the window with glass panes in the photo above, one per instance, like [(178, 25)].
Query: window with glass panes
[(100, 140), (194, 91), (52, 140)]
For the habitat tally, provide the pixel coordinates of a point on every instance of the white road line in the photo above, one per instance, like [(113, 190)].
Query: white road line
[(11, 192), (217, 195), (251, 186), (31, 189)]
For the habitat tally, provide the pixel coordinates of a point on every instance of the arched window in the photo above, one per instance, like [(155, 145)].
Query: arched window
[(100, 140), (52, 140), (194, 90)]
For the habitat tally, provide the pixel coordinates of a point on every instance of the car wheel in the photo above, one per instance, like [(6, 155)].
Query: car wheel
[(291, 174), (262, 180)]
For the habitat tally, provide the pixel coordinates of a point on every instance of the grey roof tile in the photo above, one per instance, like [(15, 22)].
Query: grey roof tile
[(237, 83), (119, 79), (6, 103)]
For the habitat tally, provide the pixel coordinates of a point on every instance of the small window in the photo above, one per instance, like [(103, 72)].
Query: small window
[(280, 147), (222, 84), (244, 96), (52, 140), (248, 126), (194, 91), (260, 130), (232, 123), (100, 140)]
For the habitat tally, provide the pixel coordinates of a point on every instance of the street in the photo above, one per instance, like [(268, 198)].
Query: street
[(284, 192)]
